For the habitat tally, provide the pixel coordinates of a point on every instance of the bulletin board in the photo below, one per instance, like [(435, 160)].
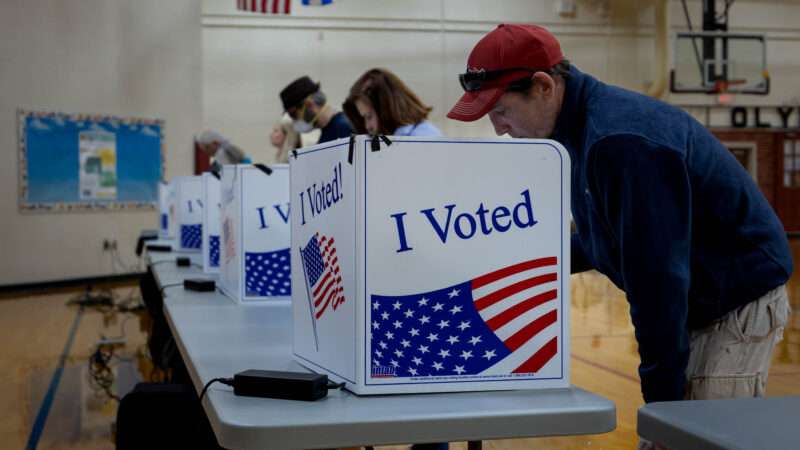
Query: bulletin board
[(81, 162)]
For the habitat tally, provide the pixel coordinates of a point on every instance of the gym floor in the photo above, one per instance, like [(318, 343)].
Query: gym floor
[(37, 329)]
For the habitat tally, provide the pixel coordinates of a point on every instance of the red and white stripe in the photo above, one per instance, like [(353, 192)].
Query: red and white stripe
[(519, 304), (265, 6), (329, 289)]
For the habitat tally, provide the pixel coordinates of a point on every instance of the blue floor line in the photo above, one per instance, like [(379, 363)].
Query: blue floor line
[(47, 402)]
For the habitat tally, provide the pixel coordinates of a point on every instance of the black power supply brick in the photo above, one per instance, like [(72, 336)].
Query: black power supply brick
[(183, 261), (199, 285), (285, 385), (158, 248)]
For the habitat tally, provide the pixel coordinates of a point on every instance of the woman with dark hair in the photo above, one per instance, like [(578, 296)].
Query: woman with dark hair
[(380, 103)]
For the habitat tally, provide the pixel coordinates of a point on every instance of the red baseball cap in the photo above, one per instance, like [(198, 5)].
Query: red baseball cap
[(507, 47)]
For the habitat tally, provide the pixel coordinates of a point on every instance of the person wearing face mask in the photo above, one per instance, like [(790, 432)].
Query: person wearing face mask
[(380, 103), (308, 108), (661, 207)]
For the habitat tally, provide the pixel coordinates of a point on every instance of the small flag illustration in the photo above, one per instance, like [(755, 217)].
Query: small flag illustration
[(323, 278), (228, 239), (321, 266)]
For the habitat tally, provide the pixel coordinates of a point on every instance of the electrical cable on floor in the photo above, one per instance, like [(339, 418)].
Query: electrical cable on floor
[(101, 375), (127, 268)]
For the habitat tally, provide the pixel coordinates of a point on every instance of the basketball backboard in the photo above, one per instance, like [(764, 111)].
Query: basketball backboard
[(718, 62)]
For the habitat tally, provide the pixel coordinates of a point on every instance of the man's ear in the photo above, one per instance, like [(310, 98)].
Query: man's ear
[(543, 83)]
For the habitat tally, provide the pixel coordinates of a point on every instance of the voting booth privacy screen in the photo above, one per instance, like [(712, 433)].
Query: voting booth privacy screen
[(81, 162), (432, 265), (166, 207), (254, 263), (189, 207), (211, 222)]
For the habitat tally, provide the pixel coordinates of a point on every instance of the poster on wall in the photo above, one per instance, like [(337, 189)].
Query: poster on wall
[(98, 155), (81, 162)]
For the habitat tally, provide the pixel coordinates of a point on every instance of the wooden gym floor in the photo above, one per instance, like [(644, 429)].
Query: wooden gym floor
[(36, 328)]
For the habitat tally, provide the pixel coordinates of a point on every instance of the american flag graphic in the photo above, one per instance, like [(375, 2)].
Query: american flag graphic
[(321, 268), (317, 2), (265, 6), (228, 239), (191, 235), (502, 322), (268, 274), (213, 256)]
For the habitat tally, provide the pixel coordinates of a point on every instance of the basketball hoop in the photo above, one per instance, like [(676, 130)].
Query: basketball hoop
[(722, 86), (724, 97), (718, 63)]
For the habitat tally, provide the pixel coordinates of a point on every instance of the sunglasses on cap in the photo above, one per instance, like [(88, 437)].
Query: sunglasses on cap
[(476, 81)]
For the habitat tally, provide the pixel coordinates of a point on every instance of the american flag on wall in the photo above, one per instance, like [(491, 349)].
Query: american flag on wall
[(265, 6), (502, 322)]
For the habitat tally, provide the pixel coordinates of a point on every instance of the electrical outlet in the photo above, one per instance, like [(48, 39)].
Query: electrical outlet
[(109, 244)]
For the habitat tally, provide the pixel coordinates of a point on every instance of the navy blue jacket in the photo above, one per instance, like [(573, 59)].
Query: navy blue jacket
[(338, 127), (670, 216)]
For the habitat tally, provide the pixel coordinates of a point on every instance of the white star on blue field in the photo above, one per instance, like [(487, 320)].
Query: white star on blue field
[(268, 274)]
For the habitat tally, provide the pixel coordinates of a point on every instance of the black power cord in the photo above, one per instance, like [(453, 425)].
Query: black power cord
[(173, 261), (332, 385), (277, 384), (161, 291), (225, 381)]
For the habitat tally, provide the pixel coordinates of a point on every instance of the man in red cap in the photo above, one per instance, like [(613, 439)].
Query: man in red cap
[(661, 207)]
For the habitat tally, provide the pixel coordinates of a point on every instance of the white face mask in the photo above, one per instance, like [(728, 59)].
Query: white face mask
[(301, 126)]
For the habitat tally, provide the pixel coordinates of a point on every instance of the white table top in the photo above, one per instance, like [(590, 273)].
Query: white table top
[(218, 338), (731, 424)]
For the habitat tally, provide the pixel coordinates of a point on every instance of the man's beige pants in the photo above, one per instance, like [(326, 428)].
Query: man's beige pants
[(731, 357)]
